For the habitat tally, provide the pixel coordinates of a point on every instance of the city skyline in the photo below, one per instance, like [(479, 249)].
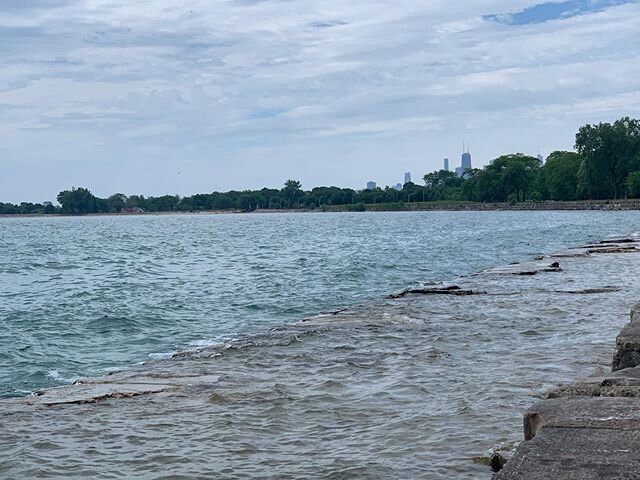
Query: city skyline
[(465, 163)]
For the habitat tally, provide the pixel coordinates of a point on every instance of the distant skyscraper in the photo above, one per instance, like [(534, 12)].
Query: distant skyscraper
[(540, 158), (371, 185), (465, 162), (407, 177), (446, 164)]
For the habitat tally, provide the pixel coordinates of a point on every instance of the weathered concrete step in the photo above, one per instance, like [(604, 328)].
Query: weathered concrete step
[(578, 438), (561, 453), (611, 413)]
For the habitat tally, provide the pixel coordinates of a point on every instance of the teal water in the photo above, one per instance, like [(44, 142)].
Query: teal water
[(81, 296), (413, 387)]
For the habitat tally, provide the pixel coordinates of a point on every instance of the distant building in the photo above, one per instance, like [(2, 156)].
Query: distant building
[(407, 177), (540, 158), (371, 185), (446, 164), (132, 210), (398, 186), (465, 163)]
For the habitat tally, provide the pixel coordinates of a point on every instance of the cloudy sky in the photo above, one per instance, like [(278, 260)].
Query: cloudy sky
[(187, 96)]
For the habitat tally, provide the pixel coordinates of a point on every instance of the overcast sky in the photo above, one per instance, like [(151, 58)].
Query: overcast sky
[(188, 96)]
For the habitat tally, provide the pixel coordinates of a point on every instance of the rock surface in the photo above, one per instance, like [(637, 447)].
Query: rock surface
[(627, 353), (570, 453), (119, 385), (524, 269), (450, 290), (622, 383)]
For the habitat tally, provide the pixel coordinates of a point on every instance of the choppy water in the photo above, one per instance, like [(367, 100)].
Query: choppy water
[(408, 388)]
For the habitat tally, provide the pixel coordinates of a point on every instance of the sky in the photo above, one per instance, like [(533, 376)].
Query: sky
[(191, 96)]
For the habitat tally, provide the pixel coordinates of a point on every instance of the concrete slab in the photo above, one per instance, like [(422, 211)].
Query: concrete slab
[(561, 453), (583, 412)]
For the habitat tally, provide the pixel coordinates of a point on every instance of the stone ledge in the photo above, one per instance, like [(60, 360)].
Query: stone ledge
[(576, 453), (622, 383), (582, 412)]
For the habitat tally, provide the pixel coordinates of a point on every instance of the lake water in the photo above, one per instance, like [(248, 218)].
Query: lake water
[(408, 388)]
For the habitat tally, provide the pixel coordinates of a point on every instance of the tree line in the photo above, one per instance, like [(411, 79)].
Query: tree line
[(604, 165)]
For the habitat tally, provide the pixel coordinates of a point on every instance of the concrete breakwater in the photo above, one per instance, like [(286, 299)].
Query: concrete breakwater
[(590, 429), (605, 205)]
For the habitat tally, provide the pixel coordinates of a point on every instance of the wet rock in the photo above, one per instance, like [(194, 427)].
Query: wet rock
[(622, 383), (497, 462), (554, 267), (609, 249), (81, 394), (482, 460), (627, 353), (496, 457), (120, 385), (590, 291), (619, 240), (450, 290), (571, 253), (526, 269)]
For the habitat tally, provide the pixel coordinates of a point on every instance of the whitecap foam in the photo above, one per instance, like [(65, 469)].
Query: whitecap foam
[(58, 377), (163, 355)]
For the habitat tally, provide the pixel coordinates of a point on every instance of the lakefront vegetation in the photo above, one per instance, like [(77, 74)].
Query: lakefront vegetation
[(604, 165)]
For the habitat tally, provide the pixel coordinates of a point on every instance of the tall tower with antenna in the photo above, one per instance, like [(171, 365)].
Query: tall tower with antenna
[(466, 157)]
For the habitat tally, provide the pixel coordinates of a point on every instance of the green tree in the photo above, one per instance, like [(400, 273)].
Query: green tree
[(136, 201), (116, 202), (443, 185), (560, 174), (610, 153), (292, 192), (511, 176), (77, 201), (519, 174), (633, 184), (165, 203)]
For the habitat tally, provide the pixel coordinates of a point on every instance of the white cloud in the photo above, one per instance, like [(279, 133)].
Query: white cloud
[(223, 86)]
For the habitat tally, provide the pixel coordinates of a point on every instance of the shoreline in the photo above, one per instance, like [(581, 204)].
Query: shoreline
[(583, 205)]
